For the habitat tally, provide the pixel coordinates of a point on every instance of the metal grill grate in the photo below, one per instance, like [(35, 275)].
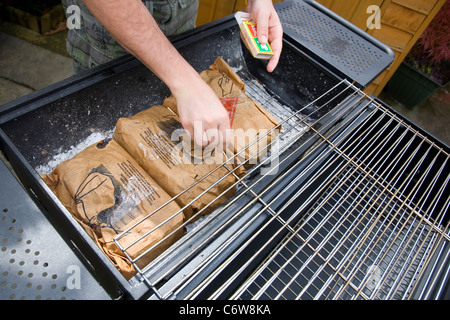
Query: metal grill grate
[(359, 217), (347, 246), (372, 229)]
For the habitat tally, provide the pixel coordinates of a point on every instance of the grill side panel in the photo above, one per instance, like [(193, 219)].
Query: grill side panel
[(339, 45)]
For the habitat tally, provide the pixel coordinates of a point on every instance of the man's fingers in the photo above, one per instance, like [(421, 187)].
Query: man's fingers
[(277, 45), (214, 137), (227, 135), (200, 137), (262, 20)]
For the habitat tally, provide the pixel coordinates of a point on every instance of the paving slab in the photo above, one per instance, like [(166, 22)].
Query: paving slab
[(24, 65), (10, 90)]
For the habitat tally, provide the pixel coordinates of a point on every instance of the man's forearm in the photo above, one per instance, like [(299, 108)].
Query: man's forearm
[(132, 25)]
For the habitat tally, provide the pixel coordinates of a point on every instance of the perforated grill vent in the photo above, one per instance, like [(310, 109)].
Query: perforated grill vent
[(343, 49), (35, 262), (26, 273)]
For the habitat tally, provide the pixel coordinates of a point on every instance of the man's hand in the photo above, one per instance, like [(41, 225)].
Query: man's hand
[(203, 115), (269, 27)]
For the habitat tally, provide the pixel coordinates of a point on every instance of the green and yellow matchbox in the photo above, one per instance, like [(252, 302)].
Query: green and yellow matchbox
[(249, 30)]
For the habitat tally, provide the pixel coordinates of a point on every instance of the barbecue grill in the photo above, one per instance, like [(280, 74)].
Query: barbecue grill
[(350, 202)]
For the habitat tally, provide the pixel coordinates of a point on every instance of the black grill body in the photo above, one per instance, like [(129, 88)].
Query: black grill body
[(351, 202)]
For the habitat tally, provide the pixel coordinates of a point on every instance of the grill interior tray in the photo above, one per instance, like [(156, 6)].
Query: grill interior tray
[(292, 210)]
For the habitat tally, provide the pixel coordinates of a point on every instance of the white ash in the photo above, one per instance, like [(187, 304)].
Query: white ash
[(73, 151), (291, 126)]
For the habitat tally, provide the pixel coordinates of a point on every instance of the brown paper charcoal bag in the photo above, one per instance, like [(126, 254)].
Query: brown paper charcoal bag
[(157, 141), (254, 128), (108, 192)]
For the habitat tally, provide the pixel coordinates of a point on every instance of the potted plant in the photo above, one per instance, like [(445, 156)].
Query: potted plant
[(427, 65)]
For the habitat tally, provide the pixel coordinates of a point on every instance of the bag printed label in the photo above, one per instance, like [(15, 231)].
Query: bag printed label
[(230, 104)]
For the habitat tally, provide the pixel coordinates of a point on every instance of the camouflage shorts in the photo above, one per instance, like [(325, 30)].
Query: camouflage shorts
[(91, 44)]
